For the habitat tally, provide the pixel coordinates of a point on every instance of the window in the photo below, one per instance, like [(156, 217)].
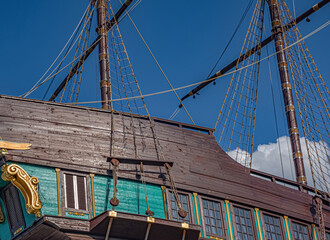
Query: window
[(300, 231), (76, 192), (173, 207), (272, 227), (14, 210), (327, 236), (243, 222), (212, 218)]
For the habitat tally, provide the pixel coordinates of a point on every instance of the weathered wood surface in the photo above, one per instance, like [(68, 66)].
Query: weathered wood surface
[(79, 138)]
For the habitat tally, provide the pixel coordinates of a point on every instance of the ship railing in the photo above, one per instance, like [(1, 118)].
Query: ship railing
[(289, 183)]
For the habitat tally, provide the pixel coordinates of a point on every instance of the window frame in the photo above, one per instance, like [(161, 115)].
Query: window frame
[(254, 226), (223, 216), (291, 221), (190, 205), (88, 194), (11, 229), (262, 213)]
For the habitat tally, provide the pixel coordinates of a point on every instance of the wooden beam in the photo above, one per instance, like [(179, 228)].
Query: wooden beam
[(149, 162)]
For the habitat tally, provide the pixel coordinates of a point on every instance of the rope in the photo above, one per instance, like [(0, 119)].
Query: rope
[(86, 47), (173, 187), (160, 68), (231, 38), (176, 111), (80, 21), (211, 79), (144, 188), (87, 18), (51, 76)]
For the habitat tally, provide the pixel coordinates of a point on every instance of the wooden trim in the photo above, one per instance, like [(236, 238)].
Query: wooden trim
[(287, 227), (196, 207), (164, 200), (91, 175), (229, 220), (315, 236), (57, 170), (259, 227), (63, 196), (71, 106)]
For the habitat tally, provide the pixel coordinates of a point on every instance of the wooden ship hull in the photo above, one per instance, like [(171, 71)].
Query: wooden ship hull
[(71, 172), (75, 141)]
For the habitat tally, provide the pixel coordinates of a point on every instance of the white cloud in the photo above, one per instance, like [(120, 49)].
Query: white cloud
[(268, 159)]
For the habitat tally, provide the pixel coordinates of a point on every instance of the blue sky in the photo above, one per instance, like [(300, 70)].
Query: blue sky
[(186, 37)]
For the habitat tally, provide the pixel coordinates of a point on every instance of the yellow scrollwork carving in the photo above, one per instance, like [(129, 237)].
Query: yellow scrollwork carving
[(26, 184)]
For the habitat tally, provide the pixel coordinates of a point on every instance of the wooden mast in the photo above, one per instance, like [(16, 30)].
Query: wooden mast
[(103, 55), (286, 90), (248, 53)]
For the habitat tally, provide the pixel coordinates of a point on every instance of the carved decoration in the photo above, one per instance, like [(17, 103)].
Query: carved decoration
[(26, 184), (14, 146), (4, 145)]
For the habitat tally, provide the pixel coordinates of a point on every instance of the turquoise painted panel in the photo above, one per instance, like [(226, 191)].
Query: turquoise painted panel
[(130, 194), (2, 183), (47, 187), (102, 186), (4, 227), (70, 214)]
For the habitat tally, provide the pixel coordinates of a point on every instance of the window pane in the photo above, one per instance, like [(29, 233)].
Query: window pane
[(327, 236), (81, 185), (184, 200), (272, 225), (69, 193), (212, 217), (300, 231), (243, 223)]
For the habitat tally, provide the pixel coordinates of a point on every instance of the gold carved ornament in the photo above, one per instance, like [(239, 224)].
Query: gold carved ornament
[(26, 184), (20, 179)]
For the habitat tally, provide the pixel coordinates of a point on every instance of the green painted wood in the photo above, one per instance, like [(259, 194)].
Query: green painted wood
[(4, 227), (130, 194), (69, 214), (2, 183)]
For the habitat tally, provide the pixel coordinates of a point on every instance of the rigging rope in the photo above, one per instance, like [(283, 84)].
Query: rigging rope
[(233, 35), (226, 74), (87, 19), (79, 23), (160, 68)]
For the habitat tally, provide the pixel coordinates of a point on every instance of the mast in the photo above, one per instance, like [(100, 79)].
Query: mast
[(244, 56), (103, 55), (287, 92)]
